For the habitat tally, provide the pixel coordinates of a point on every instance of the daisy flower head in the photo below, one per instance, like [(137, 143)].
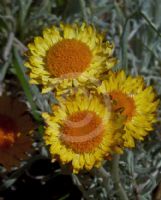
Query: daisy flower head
[(15, 126), (81, 131), (136, 102), (68, 55)]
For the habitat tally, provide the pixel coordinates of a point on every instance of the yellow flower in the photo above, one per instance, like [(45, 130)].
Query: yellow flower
[(136, 102), (15, 125), (68, 55), (81, 131)]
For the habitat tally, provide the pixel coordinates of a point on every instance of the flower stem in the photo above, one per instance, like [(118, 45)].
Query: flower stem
[(116, 179)]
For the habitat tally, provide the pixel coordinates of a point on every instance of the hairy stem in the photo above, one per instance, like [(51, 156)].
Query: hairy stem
[(116, 179)]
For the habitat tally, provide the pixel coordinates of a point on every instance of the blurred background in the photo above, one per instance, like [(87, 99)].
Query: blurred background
[(135, 29)]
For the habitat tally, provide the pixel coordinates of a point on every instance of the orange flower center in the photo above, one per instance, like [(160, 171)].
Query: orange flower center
[(7, 131), (123, 103), (68, 57), (82, 131)]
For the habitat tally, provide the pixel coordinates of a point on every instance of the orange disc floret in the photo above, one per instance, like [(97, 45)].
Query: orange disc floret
[(7, 131), (123, 103), (82, 131), (68, 57)]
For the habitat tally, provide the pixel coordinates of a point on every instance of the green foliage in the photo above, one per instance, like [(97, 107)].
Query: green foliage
[(135, 28)]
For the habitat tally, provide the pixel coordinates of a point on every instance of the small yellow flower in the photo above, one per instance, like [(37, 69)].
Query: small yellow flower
[(81, 131), (15, 125), (68, 55), (136, 102)]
